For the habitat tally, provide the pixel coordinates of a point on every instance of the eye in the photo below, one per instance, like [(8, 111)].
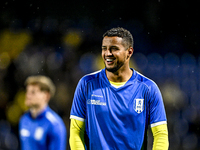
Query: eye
[(114, 48), (104, 48)]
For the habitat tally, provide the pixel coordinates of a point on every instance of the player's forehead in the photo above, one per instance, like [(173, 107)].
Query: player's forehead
[(114, 40), (32, 87)]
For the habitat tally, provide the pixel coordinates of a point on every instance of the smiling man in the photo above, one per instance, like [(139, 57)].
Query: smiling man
[(41, 128), (113, 108)]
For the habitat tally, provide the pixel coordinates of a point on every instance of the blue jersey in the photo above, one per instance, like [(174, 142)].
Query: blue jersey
[(46, 132), (117, 118)]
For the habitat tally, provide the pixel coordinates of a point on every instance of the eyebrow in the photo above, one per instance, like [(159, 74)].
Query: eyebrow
[(110, 46)]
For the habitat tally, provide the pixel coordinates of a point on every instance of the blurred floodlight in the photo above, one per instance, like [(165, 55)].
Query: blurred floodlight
[(188, 60), (171, 61), (98, 64), (155, 61), (86, 62), (4, 60), (54, 61), (181, 127), (13, 113), (73, 38), (11, 141), (190, 142), (140, 60), (36, 62)]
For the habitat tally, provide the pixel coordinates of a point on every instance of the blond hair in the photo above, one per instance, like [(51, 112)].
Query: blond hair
[(44, 82)]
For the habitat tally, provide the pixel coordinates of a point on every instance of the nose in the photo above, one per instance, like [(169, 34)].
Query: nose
[(108, 52)]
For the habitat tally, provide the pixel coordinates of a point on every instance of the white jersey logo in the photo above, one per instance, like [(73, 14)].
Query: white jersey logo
[(24, 132), (138, 105), (95, 102), (38, 133)]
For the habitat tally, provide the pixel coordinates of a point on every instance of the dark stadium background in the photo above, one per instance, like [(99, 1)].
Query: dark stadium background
[(62, 39)]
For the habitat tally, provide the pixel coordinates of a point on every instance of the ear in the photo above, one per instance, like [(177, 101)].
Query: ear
[(130, 52)]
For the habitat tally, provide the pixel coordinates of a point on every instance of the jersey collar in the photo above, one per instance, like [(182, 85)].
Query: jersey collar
[(41, 114), (130, 81)]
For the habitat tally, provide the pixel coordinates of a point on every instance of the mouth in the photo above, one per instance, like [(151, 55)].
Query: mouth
[(109, 60)]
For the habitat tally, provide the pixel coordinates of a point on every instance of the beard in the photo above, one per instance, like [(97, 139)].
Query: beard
[(115, 68)]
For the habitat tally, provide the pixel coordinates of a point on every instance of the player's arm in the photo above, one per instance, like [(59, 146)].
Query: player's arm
[(57, 138), (160, 135), (78, 115), (158, 120), (22, 144), (76, 140)]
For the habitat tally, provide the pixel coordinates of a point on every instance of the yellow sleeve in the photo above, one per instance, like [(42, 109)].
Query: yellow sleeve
[(76, 140), (160, 135)]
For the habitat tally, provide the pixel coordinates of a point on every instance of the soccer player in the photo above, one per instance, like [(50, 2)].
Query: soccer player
[(112, 108), (41, 128)]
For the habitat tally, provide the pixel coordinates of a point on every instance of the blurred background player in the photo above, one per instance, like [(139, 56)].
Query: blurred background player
[(41, 128), (115, 106)]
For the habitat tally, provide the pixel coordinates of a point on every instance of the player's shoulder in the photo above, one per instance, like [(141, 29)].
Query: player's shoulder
[(52, 117), (146, 81), (54, 122), (91, 76), (25, 116)]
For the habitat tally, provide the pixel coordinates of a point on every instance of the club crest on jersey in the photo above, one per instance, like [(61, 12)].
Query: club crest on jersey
[(138, 105)]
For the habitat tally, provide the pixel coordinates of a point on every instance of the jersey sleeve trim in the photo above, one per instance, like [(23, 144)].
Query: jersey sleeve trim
[(77, 118), (158, 123)]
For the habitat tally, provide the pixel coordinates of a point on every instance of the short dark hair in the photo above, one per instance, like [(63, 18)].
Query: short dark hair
[(123, 33)]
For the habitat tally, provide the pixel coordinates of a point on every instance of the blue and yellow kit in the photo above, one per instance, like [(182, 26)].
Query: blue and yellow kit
[(46, 132), (117, 118)]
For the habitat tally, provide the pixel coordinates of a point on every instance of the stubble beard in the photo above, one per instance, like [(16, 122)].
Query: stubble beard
[(115, 68)]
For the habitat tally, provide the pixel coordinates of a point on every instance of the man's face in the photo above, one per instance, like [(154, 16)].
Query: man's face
[(35, 97), (114, 53)]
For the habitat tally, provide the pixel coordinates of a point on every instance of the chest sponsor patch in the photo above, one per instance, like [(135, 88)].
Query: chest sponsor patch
[(95, 102), (138, 105)]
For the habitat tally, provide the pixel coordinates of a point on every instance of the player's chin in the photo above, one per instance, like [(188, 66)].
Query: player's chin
[(111, 69)]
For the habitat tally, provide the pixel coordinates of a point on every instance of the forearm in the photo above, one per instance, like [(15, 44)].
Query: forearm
[(76, 140), (160, 134)]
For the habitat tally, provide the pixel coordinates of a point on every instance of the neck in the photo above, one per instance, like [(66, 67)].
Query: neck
[(120, 75), (36, 110)]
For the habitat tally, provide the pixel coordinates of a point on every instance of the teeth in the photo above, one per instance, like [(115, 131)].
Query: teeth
[(109, 59)]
